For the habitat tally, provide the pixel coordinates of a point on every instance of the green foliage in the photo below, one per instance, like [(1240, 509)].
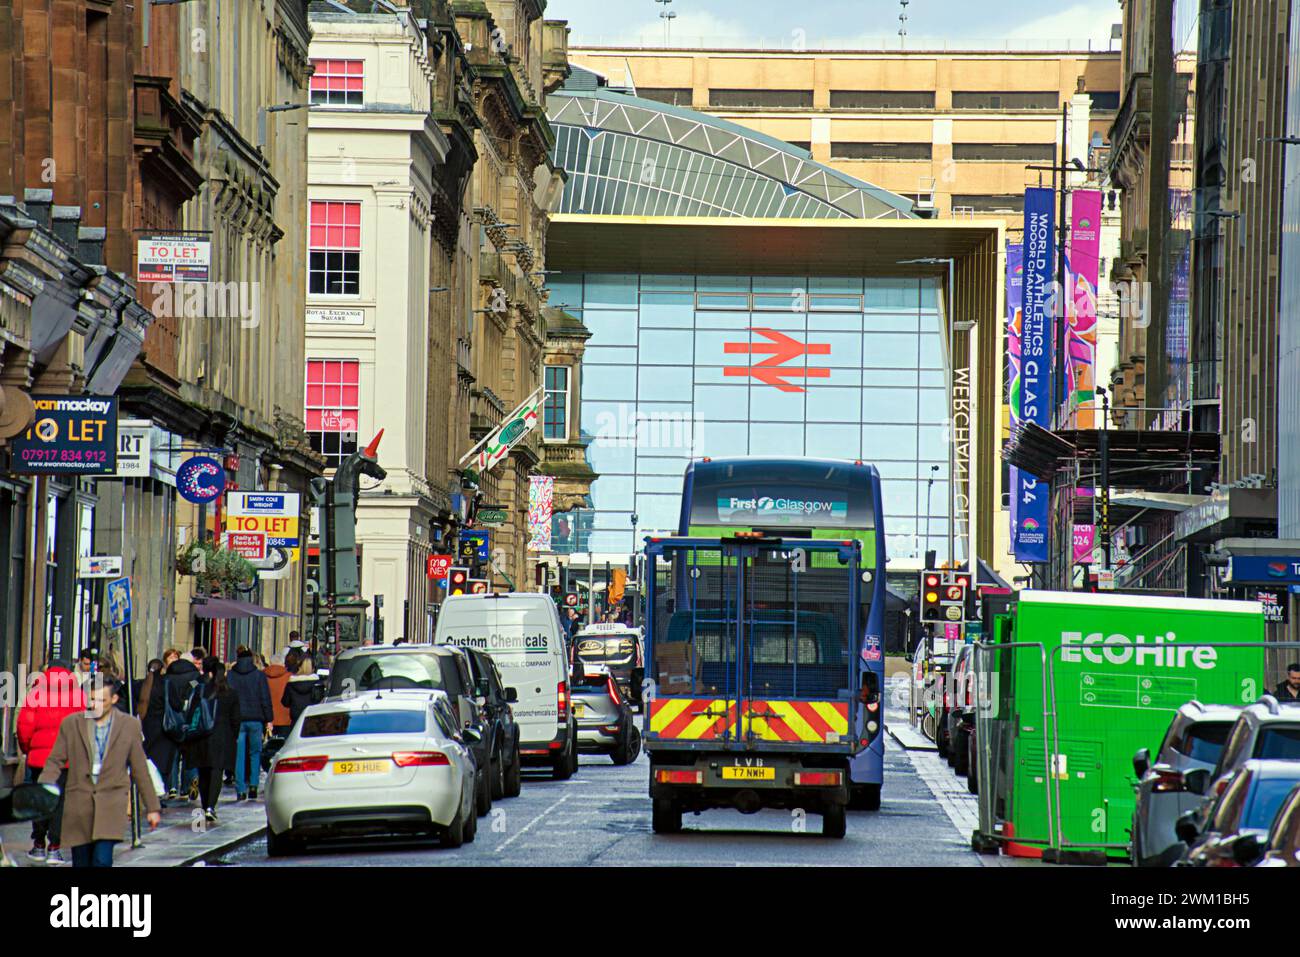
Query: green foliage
[(216, 570)]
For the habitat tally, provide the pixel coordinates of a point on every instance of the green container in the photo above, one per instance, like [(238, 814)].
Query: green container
[(1119, 667)]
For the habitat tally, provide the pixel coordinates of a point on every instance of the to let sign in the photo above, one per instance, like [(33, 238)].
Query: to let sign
[(173, 259), (72, 435)]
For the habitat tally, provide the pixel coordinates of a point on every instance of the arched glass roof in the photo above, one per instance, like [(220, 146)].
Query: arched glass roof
[(634, 157)]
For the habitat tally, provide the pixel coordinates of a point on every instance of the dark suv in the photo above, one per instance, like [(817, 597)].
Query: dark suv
[(501, 732), (413, 668)]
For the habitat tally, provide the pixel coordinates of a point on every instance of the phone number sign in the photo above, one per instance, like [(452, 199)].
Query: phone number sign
[(72, 435)]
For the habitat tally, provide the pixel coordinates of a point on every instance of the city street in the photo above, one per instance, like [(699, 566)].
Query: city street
[(601, 817)]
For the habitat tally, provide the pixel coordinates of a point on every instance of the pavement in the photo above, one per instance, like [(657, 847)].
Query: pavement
[(182, 839)]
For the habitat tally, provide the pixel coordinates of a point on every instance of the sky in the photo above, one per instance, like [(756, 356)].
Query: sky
[(820, 23)]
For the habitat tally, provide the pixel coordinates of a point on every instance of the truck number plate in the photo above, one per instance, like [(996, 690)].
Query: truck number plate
[(749, 774)]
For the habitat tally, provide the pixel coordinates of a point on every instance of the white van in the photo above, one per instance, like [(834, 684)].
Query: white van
[(523, 634)]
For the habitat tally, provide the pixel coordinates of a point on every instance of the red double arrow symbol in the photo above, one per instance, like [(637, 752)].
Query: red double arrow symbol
[(773, 370)]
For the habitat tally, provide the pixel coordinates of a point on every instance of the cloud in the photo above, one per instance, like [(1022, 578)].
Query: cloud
[(688, 28), (1081, 22)]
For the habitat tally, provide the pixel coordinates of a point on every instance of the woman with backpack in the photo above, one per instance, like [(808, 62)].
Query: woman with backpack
[(301, 689), (214, 753)]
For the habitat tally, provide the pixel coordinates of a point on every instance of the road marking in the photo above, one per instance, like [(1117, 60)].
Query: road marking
[(523, 830)]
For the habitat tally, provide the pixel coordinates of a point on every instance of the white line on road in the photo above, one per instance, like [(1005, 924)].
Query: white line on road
[(523, 830)]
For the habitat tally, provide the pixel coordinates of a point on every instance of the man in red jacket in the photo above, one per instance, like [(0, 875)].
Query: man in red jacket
[(55, 694)]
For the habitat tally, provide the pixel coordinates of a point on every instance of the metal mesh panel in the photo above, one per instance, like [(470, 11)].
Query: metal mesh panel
[(770, 624)]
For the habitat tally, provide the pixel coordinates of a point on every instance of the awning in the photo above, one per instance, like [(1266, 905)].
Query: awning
[(229, 608)]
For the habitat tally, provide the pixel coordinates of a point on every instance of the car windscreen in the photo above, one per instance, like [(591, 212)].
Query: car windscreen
[(334, 723), (1204, 741), (1268, 797), (1282, 743), (390, 672)]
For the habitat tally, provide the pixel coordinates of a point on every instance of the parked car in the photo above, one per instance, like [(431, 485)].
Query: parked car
[(420, 668), (501, 732), (1265, 730), (619, 649), (523, 634), (1241, 816), (1194, 740), (382, 762), (959, 714), (606, 724), (1282, 846)]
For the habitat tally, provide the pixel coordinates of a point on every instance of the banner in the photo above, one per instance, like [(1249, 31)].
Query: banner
[(541, 498), (1082, 265), (1015, 290), (1085, 541), (503, 438), (1036, 331), (273, 515)]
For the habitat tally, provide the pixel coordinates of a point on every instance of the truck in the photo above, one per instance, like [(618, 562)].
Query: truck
[(759, 691), (1069, 685)]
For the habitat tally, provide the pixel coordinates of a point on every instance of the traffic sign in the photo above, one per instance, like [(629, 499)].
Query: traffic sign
[(479, 586), (118, 595), (571, 599)]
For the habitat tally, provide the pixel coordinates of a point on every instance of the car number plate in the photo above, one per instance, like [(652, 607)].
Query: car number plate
[(360, 767), (749, 774)]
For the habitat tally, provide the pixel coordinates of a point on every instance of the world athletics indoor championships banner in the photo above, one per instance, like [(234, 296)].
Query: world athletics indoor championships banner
[(1015, 299), (1082, 267), (1036, 334)]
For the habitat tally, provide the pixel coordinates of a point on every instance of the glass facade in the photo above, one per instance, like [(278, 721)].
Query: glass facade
[(687, 366)]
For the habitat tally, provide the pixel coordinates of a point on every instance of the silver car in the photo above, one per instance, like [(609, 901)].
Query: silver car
[(381, 762), (1194, 741), (605, 721)]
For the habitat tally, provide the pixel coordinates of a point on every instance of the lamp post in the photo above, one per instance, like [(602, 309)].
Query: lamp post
[(276, 108), (1103, 499), (928, 487)]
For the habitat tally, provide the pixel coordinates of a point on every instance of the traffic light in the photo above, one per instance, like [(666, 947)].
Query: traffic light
[(458, 580), (931, 583)]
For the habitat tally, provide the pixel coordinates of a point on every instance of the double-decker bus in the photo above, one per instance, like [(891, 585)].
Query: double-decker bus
[(805, 498)]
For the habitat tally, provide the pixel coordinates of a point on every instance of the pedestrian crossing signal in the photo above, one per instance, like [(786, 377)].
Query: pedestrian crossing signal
[(457, 581)]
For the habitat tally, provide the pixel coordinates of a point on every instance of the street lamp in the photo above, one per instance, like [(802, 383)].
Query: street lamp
[(934, 470), (276, 108)]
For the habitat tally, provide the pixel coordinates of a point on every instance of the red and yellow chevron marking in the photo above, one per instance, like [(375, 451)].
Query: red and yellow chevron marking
[(705, 719)]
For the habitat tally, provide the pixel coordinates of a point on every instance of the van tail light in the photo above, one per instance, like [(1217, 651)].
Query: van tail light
[(315, 762), (817, 779), (679, 777), (562, 699), (420, 759), (1168, 780)]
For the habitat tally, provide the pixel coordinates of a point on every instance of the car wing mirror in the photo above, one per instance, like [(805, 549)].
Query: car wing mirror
[(512, 695), (472, 735), (1196, 781), (1142, 762), (1186, 829), (1246, 849)]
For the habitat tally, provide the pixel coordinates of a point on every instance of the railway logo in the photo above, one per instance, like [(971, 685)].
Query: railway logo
[(779, 350)]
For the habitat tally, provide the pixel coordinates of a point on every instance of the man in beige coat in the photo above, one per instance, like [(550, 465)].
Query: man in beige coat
[(99, 746)]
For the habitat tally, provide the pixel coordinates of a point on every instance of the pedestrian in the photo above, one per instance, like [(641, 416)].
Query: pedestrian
[(214, 754), (1289, 690), (159, 748), (301, 689), (86, 664), (99, 747), (255, 718), (55, 694), (139, 687), (182, 677), (106, 669), (198, 654), (570, 622), (277, 677)]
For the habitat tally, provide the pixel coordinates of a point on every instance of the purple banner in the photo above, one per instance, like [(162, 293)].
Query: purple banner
[(1015, 299), (1036, 348)]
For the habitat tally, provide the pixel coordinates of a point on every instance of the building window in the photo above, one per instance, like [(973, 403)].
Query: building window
[(882, 99), (673, 96), (335, 255), (1105, 101), (333, 402), (989, 204), (754, 99), (1039, 100), (555, 422), (881, 151), (1006, 152), (337, 82)]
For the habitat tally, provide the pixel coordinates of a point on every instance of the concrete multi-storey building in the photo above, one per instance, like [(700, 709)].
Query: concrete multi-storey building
[(954, 130)]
